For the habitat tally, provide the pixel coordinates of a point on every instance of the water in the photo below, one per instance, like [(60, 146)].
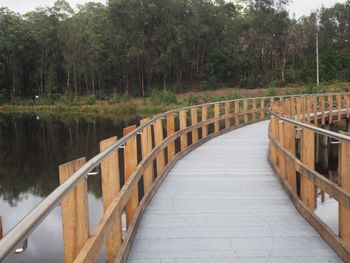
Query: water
[(31, 148)]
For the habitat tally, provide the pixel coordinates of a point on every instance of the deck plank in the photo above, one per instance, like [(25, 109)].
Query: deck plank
[(222, 203)]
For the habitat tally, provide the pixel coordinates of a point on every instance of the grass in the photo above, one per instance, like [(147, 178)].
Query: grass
[(123, 108)]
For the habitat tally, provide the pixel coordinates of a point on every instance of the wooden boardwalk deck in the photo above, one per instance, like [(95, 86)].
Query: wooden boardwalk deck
[(223, 204)]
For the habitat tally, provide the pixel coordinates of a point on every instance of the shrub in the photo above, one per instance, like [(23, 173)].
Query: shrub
[(2, 97), (117, 98), (162, 97), (272, 92), (192, 100)]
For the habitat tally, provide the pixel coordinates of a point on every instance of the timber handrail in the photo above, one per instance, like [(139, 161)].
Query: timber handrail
[(84, 246), (295, 121)]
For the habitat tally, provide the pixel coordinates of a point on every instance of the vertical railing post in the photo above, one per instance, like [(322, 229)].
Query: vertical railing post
[(339, 102), (245, 109), (227, 113), (262, 107), (315, 105), (146, 148), (204, 118), (216, 116), (170, 120), (75, 213), (323, 117), (254, 109), (130, 162), (308, 109), (330, 109), (344, 182), (237, 116), (183, 125), (282, 157), (273, 135), (158, 139), (347, 102), (308, 190), (289, 138), (194, 121), (110, 178), (298, 102)]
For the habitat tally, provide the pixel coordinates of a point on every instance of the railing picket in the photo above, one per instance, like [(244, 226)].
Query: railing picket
[(254, 110), (130, 162), (344, 172), (315, 108), (289, 139), (146, 148), (110, 178), (237, 117), (245, 110), (216, 116), (204, 118), (227, 113), (308, 190), (158, 139), (170, 130), (330, 109), (75, 213), (194, 121), (323, 106), (183, 125), (262, 107), (339, 103), (347, 102)]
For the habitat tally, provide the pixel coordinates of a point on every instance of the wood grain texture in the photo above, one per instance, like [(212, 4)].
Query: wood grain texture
[(130, 162), (110, 178), (330, 109), (170, 122), (204, 118), (75, 213), (245, 109), (262, 107), (216, 116), (194, 120), (146, 148), (158, 139), (183, 125), (237, 111), (315, 110), (323, 107), (308, 190), (227, 113)]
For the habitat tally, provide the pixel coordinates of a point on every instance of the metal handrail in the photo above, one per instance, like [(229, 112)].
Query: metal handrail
[(31, 221)]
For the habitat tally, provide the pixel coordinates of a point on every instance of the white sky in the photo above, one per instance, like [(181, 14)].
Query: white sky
[(299, 7)]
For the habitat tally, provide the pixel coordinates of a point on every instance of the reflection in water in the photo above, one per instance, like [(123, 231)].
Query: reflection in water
[(31, 150)]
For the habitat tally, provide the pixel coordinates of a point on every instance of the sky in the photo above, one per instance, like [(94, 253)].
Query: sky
[(298, 7)]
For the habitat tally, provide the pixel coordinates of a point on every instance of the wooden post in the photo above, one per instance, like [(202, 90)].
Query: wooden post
[(330, 109), (237, 117), (130, 162), (273, 134), (158, 139), (183, 125), (339, 107), (347, 102), (146, 148), (245, 109), (262, 112), (303, 109), (1, 229), (194, 121), (308, 190), (75, 213), (292, 109), (170, 130), (204, 118), (289, 139), (298, 109), (227, 113), (323, 106), (110, 188), (315, 104), (344, 182), (254, 109), (308, 109), (282, 157), (216, 116)]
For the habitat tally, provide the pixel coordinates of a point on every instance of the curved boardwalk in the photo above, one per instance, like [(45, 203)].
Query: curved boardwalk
[(222, 203)]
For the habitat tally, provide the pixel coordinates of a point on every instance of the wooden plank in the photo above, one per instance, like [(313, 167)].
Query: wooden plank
[(254, 109), (130, 162), (347, 101), (282, 157), (183, 125), (315, 108), (330, 109), (298, 102), (216, 116), (323, 107), (308, 108), (245, 109), (194, 121), (146, 148), (75, 213), (227, 113), (110, 188), (170, 120), (303, 110), (237, 117), (273, 134), (339, 102), (204, 118), (158, 139), (308, 190), (262, 106), (344, 182), (289, 136)]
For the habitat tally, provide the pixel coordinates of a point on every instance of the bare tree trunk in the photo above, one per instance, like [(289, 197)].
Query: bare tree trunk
[(283, 68)]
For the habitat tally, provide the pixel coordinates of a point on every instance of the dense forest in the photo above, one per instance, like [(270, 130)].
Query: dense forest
[(134, 46)]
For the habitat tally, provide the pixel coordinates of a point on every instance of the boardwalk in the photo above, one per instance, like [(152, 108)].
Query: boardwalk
[(222, 203)]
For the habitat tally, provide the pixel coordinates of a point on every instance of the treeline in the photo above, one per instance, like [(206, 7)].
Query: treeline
[(134, 46)]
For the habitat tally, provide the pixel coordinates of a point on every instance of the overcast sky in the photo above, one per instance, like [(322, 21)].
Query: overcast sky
[(299, 7)]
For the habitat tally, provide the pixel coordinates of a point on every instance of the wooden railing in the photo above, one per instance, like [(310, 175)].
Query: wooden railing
[(147, 152), (293, 129)]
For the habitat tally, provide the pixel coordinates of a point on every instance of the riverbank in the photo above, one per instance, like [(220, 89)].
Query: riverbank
[(124, 109)]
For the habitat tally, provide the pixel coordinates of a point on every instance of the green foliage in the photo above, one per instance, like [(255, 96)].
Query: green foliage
[(117, 98), (192, 100), (272, 92), (163, 97)]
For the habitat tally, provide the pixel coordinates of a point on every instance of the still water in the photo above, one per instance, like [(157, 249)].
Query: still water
[(31, 148)]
